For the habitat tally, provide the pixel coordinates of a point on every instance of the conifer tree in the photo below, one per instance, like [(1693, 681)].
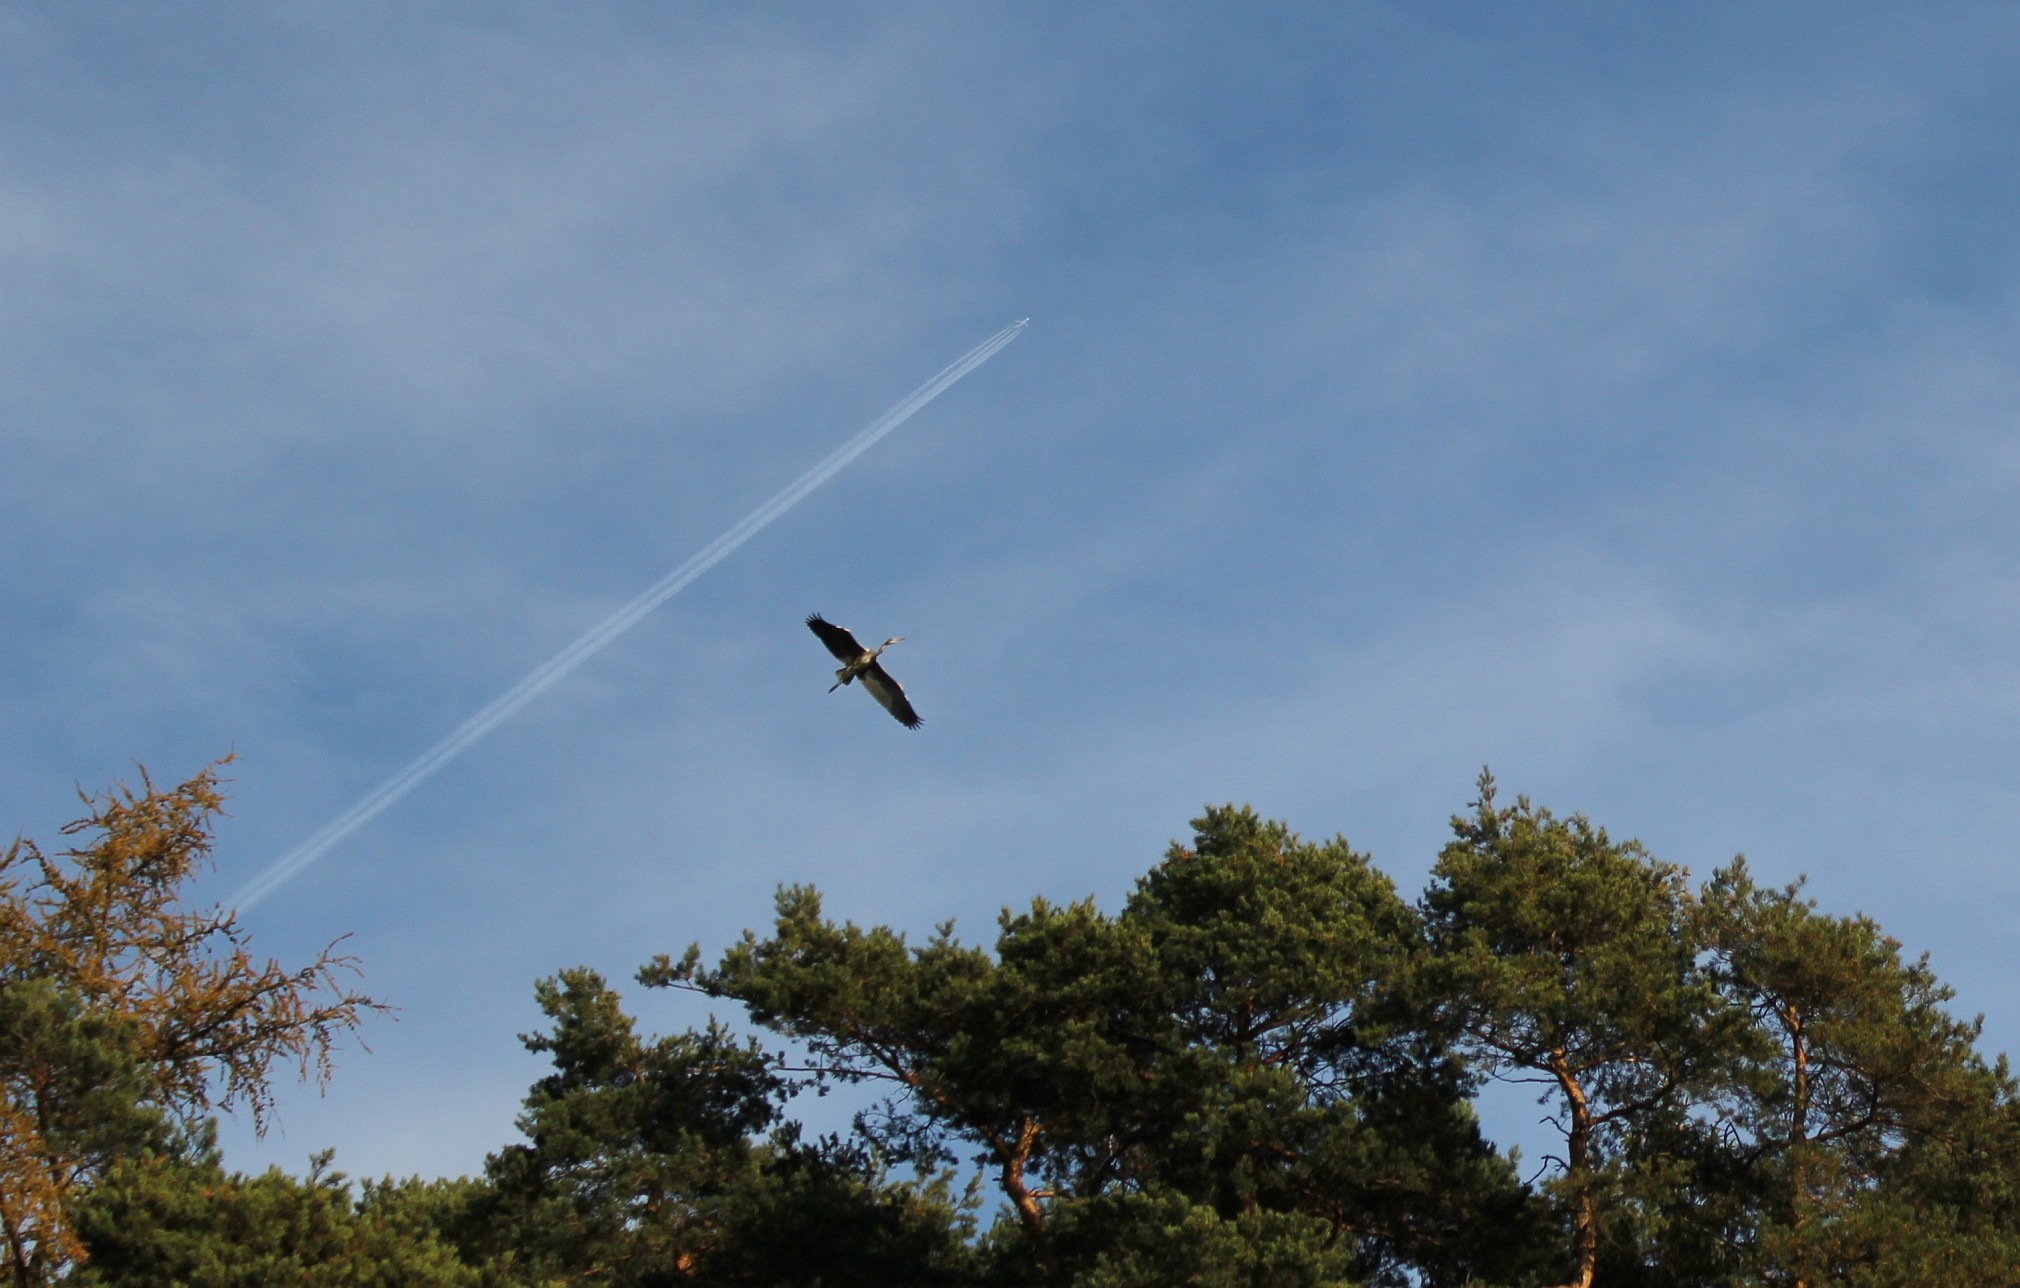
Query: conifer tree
[(1862, 1137), (1225, 1064), (1255, 1073), (1564, 959), (160, 1219), (127, 1015), (665, 1161)]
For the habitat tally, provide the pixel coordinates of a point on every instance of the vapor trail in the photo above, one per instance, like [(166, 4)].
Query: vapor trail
[(554, 669)]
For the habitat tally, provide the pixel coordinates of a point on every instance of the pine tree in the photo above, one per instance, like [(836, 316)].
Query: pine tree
[(1863, 1138), (158, 1219), (1562, 958), (666, 1162), (1224, 1064)]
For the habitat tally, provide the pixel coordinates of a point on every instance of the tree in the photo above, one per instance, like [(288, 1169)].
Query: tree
[(172, 1219), (1255, 1073), (127, 1016), (1563, 958), (1225, 1064), (666, 1162), (1863, 1137)]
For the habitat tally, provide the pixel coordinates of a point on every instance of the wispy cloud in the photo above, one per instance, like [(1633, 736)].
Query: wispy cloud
[(1624, 402)]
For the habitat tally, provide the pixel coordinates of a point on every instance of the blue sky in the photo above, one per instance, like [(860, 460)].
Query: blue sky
[(1620, 397)]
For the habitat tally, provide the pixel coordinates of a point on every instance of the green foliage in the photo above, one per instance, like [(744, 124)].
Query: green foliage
[(1232, 1042), (1256, 1072), (666, 1162), (161, 1219), (1749, 1091), (1862, 1138), (1140, 1240), (83, 1071), (1562, 958)]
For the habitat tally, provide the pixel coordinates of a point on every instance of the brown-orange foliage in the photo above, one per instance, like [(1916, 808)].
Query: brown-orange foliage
[(105, 927)]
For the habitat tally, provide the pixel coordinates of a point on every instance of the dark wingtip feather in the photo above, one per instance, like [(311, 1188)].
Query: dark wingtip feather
[(837, 638)]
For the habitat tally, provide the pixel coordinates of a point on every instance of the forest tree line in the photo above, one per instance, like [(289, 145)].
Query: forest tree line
[(1259, 1070)]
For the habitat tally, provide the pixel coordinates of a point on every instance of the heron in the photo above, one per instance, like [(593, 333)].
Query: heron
[(861, 663)]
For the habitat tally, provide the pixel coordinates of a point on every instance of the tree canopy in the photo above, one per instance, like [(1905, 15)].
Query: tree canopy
[(1259, 1070)]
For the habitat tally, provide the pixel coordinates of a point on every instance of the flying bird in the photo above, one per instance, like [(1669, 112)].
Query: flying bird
[(861, 663)]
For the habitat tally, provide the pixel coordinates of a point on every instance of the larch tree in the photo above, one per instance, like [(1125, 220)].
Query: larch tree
[(127, 1015)]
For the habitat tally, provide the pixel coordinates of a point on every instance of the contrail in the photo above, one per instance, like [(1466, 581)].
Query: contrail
[(552, 671)]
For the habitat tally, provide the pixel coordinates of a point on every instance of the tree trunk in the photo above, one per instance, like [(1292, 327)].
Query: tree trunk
[(1578, 1147), (1799, 1129), (1029, 1214)]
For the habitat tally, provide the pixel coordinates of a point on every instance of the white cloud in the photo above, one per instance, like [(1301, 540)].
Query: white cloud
[(1398, 400)]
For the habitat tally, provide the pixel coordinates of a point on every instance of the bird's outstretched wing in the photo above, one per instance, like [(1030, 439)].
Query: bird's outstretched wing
[(889, 692), (842, 644)]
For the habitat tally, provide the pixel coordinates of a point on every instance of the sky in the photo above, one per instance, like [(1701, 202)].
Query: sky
[(1620, 397)]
